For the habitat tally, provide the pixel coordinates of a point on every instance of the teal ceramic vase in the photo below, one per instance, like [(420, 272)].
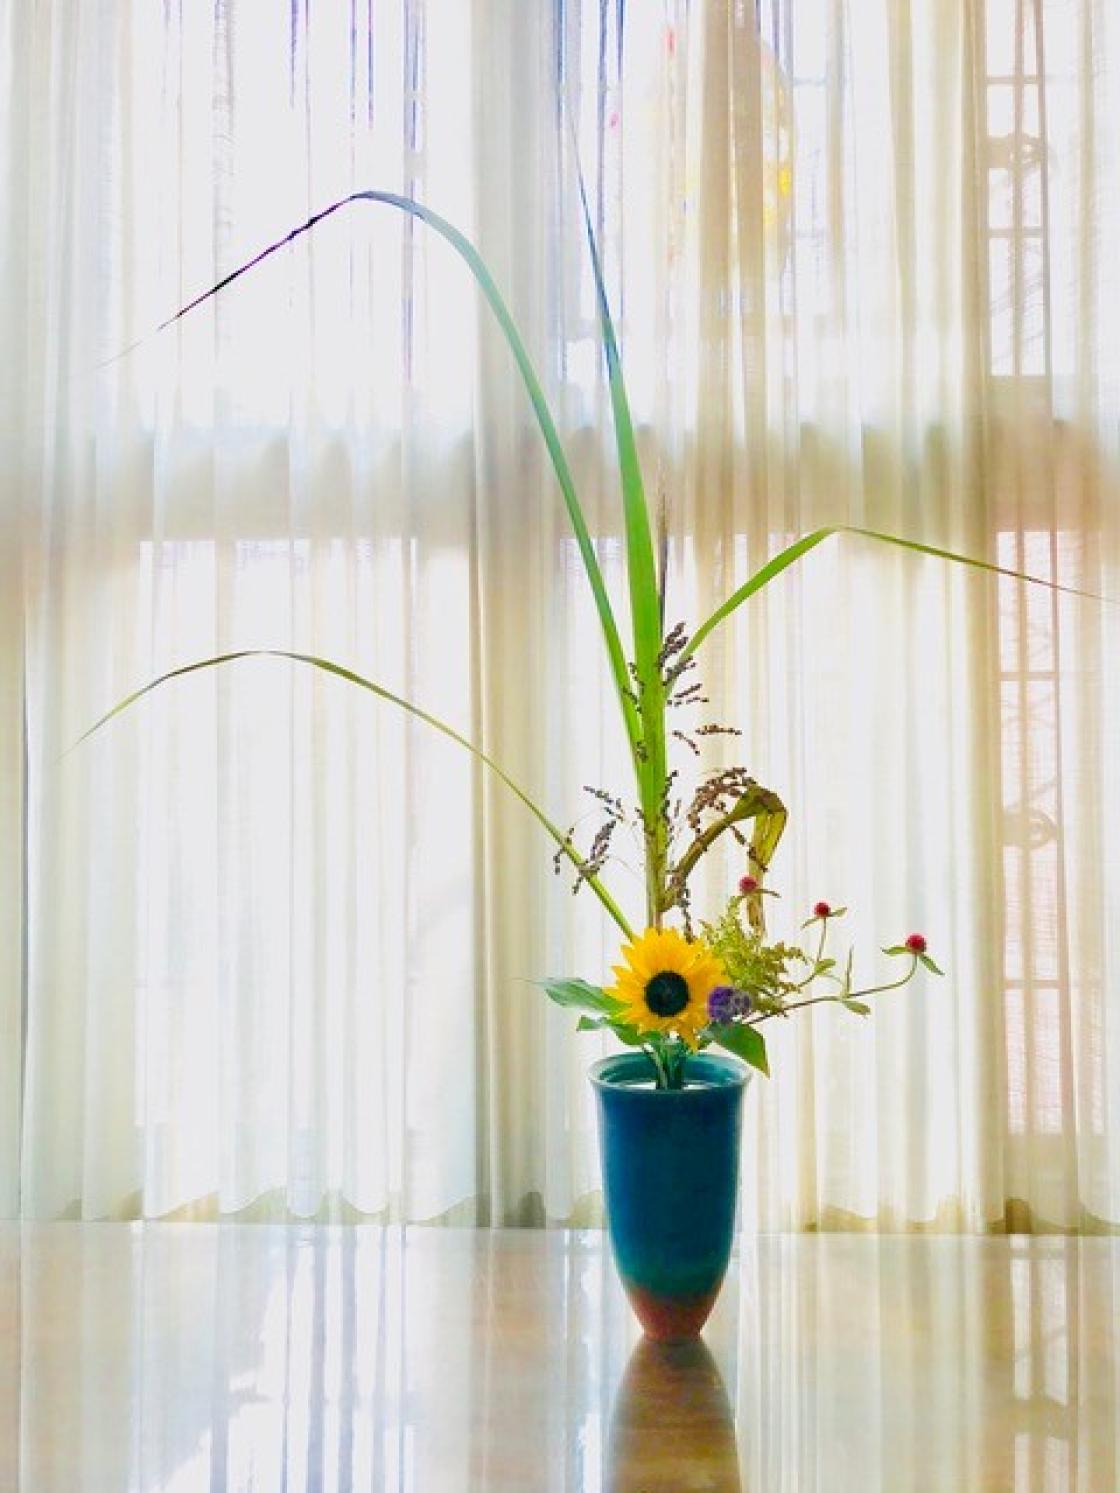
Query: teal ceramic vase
[(670, 1182)]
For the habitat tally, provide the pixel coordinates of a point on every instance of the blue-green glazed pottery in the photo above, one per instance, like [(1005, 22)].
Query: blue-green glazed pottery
[(670, 1180)]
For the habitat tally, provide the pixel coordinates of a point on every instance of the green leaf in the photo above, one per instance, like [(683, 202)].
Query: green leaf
[(745, 1042), (577, 994), (859, 1007), (929, 964), (626, 1034), (897, 948), (383, 694), (822, 966), (807, 542), (477, 265)]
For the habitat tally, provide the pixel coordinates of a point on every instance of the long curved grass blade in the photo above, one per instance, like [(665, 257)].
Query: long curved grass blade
[(341, 672), (477, 265), (769, 826), (807, 542)]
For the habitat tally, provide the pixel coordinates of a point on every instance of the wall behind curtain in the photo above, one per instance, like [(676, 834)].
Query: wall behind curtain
[(279, 938)]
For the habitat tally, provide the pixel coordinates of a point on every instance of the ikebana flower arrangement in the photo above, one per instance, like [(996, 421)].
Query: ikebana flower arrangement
[(682, 984)]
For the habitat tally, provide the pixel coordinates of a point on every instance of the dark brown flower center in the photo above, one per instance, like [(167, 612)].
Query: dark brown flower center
[(667, 993)]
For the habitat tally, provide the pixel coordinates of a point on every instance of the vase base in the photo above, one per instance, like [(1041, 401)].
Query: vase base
[(671, 1319)]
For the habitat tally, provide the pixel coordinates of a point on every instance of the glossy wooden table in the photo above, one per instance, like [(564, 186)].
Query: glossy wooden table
[(191, 1357)]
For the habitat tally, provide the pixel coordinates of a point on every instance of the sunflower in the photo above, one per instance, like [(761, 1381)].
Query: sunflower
[(665, 982)]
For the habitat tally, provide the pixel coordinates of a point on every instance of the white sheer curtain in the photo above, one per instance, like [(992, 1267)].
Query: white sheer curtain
[(279, 939)]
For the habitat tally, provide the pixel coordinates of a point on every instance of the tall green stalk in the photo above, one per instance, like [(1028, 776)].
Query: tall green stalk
[(651, 764)]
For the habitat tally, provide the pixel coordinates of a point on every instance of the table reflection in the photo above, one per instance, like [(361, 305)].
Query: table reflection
[(187, 1357)]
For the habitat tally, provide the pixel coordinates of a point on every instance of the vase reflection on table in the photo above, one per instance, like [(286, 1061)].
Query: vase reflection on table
[(671, 1425)]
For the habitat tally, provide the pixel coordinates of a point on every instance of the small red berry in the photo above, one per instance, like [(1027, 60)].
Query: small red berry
[(822, 910), (747, 885), (916, 943)]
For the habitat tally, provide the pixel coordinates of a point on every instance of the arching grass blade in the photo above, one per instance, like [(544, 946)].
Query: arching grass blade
[(475, 263), (774, 567), (341, 672)]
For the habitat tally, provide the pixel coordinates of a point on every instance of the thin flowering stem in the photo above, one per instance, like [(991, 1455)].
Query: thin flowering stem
[(817, 1000), (814, 972)]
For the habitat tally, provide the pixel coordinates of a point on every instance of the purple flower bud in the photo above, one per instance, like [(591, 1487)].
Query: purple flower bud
[(725, 1004), (741, 1003), (720, 1003)]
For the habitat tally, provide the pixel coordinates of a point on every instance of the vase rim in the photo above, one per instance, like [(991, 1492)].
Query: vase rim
[(621, 1071)]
